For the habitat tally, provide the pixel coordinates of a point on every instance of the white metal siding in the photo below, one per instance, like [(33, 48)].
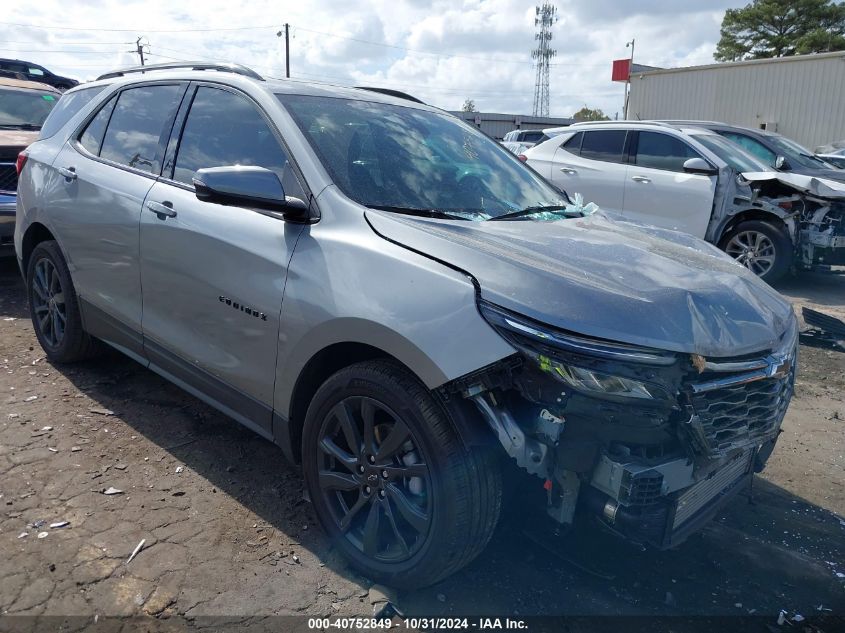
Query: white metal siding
[(804, 95)]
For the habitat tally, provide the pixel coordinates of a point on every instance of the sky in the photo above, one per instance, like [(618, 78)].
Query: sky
[(440, 51)]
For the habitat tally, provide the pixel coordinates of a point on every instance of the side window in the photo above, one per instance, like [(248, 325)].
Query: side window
[(756, 148), (573, 145), (661, 151), (138, 124), (223, 128), (604, 145), (35, 72), (92, 138), (68, 105)]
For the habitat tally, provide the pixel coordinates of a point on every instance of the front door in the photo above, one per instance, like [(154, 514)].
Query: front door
[(659, 192), (213, 275)]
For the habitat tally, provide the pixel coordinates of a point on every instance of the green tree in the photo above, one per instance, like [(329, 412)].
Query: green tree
[(779, 28), (469, 106), (588, 114)]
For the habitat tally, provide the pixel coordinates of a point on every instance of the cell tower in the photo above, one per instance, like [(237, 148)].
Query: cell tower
[(545, 16)]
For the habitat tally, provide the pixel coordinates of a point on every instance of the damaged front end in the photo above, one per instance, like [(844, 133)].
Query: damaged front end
[(651, 442), (813, 211)]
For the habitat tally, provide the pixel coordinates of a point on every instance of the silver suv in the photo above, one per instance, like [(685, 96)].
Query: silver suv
[(404, 307)]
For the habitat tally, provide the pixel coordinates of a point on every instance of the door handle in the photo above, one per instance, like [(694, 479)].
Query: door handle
[(568, 170), (163, 210), (640, 179), (69, 173)]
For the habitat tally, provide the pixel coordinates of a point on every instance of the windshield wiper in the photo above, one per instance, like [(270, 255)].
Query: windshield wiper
[(551, 208), (426, 213), (20, 126)]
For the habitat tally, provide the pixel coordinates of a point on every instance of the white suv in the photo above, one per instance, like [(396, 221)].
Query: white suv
[(692, 180)]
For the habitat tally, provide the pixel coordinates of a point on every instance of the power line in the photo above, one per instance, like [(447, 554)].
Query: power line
[(135, 30)]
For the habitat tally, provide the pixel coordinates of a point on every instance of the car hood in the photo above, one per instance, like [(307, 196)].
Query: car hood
[(17, 138), (819, 187), (831, 174), (608, 279)]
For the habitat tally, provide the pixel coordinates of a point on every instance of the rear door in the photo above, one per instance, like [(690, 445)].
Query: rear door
[(659, 192), (97, 186), (213, 275), (592, 163)]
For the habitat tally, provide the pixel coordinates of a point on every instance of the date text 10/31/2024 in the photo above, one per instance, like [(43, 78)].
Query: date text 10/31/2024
[(417, 624)]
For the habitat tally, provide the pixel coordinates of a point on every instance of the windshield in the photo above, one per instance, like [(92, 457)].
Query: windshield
[(23, 108), (796, 154), (409, 159), (731, 153)]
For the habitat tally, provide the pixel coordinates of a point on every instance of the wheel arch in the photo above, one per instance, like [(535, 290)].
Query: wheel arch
[(34, 235), (753, 214)]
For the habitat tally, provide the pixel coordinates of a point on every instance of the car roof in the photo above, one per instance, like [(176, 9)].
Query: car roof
[(239, 76), (711, 125), (30, 85)]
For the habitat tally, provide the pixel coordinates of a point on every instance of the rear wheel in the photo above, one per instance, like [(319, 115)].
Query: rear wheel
[(391, 481), (53, 306), (762, 247)]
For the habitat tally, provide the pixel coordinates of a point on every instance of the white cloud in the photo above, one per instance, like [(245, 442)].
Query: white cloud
[(442, 51)]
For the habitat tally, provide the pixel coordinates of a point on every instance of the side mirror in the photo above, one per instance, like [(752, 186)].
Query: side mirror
[(699, 166), (250, 187), (782, 163)]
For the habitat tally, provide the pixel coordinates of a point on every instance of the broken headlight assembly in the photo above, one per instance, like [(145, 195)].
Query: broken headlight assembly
[(579, 362)]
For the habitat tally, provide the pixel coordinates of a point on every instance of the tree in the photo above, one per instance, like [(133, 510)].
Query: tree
[(469, 106), (779, 28), (587, 114)]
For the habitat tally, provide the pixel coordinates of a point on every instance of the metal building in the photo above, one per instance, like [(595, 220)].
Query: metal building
[(497, 125), (801, 97)]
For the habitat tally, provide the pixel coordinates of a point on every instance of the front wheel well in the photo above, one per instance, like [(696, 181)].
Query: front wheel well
[(752, 214), (322, 365), (35, 234)]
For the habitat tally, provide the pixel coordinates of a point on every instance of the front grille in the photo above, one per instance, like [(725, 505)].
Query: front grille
[(739, 415), (705, 491), (8, 177)]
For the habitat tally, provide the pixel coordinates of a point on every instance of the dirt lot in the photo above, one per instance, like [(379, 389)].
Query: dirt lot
[(226, 533)]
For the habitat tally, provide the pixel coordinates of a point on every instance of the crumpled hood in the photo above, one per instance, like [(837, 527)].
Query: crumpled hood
[(819, 187), (612, 280)]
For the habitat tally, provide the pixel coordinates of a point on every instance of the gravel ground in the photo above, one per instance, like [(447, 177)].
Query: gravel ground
[(226, 532)]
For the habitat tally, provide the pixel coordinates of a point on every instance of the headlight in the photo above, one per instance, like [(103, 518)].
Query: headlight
[(540, 343)]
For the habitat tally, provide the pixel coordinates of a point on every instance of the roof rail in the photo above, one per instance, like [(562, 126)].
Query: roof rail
[(625, 122), (238, 69), (392, 93)]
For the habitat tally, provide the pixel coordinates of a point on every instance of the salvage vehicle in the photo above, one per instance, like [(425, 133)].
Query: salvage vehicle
[(405, 308), (775, 150), (23, 107), (37, 73), (694, 180)]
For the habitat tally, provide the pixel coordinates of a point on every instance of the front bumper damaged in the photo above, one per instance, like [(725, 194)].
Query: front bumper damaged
[(654, 471)]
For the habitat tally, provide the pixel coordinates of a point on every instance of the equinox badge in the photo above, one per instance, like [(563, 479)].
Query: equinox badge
[(242, 308)]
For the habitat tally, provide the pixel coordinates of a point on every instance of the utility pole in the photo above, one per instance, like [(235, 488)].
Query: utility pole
[(140, 49), (287, 48), (545, 17), (628, 80)]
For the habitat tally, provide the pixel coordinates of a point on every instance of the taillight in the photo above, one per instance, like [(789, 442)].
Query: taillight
[(20, 162), (522, 157), (786, 205)]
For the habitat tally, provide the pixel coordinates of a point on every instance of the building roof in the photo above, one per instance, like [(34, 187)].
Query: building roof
[(744, 62)]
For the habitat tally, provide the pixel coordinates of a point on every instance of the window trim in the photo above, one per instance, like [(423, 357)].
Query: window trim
[(635, 145), (74, 140), (565, 141), (179, 127)]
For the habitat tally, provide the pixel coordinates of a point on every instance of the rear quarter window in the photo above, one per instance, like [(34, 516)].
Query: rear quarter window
[(69, 104)]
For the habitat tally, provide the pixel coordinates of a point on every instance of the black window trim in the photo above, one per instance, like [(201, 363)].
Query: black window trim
[(75, 137), (635, 143), (175, 140), (565, 141)]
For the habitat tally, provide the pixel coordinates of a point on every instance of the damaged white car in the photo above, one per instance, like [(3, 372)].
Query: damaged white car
[(693, 180)]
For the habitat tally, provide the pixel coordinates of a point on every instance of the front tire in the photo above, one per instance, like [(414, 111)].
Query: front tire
[(762, 247), (54, 308), (391, 481)]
